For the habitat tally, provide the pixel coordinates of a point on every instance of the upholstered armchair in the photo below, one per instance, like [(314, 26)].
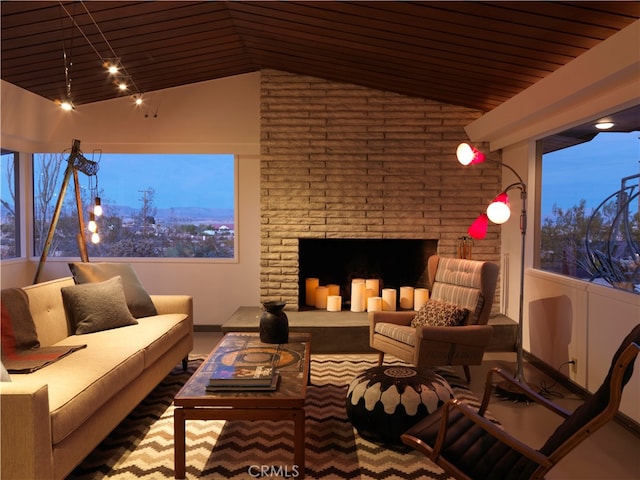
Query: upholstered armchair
[(467, 284)]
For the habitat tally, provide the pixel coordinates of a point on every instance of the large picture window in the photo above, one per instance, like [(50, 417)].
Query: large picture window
[(9, 209), (590, 225), (153, 205)]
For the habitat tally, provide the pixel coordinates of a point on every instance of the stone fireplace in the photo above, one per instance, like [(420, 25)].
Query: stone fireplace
[(343, 162), (396, 262)]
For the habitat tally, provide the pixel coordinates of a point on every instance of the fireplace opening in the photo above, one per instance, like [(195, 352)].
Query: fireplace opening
[(395, 262)]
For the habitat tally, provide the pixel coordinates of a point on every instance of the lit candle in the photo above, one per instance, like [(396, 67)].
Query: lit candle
[(388, 299), (333, 289), (374, 304), (420, 297), (357, 295), (334, 303), (321, 297), (373, 284), (310, 291), (406, 298)]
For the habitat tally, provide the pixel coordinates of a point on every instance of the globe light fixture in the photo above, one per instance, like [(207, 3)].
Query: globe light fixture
[(499, 210), (468, 155)]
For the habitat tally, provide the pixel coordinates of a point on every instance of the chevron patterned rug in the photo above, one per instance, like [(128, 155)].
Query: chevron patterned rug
[(142, 445)]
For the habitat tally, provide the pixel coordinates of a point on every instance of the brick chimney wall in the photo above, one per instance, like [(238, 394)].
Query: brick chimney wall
[(345, 161)]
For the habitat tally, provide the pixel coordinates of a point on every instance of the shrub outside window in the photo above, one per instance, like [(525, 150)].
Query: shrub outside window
[(154, 206)]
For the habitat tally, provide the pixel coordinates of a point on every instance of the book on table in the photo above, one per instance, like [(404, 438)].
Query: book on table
[(242, 376), (272, 386)]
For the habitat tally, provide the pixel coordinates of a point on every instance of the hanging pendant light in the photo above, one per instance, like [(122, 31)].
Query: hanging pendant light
[(97, 207), (468, 155)]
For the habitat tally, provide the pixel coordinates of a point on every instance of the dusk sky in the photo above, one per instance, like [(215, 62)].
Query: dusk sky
[(591, 171), (178, 180)]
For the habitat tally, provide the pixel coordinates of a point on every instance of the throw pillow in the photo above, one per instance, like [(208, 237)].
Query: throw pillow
[(138, 300), (440, 314), (93, 307), (17, 327)]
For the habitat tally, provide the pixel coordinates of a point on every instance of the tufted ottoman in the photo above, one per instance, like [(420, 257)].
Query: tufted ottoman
[(384, 402)]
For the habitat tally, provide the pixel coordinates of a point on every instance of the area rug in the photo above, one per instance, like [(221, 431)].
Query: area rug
[(142, 445)]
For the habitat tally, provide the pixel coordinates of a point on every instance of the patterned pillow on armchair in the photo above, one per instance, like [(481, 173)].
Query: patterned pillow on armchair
[(440, 314)]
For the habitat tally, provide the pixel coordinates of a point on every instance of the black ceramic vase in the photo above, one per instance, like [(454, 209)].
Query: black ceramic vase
[(274, 324)]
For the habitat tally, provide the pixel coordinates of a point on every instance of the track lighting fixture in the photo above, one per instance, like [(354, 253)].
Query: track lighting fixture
[(112, 64)]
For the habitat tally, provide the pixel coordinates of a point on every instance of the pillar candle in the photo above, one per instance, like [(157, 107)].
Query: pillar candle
[(333, 289), (388, 299), (321, 297), (357, 295), (420, 297), (374, 304), (310, 291), (334, 303), (373, 284), (406, 298)]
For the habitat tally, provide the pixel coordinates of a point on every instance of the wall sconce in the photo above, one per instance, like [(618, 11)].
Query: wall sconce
[(499, 211)]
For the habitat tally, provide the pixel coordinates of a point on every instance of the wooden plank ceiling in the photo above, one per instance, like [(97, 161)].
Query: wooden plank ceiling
[(472, 54)]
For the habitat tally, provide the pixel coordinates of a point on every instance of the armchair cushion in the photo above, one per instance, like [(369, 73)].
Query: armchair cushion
[(401, 333), (440, 314)]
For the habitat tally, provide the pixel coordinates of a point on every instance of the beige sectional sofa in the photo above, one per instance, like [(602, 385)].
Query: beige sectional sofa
[(54, 417)]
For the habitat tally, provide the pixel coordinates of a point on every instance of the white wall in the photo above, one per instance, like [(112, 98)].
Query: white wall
[(220, 116)]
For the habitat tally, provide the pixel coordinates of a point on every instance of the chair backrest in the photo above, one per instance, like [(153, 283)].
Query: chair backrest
[(601, 407), (468, 283)]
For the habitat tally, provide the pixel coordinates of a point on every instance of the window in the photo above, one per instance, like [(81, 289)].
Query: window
[(589, 208), (154, 205), (9, 210)]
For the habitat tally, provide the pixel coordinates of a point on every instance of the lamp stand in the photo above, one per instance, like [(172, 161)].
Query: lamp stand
[(507, 389), (75, 162)]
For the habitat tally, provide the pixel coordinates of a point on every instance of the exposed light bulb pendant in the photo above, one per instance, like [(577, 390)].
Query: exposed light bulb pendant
[(92, 226), (97, 208)]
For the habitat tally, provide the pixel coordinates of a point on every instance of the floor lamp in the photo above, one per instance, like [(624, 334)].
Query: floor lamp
[(499, 212), (76, 162)]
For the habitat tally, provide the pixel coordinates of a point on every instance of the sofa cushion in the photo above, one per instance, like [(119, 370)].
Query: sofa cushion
[(18, 328), (440, 314), (138, 300), (97, 306)]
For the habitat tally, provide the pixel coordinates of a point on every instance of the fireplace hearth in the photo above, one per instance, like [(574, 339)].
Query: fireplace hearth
[(396, 262)]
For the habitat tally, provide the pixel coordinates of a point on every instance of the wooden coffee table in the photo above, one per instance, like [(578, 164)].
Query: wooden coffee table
[(286, 403)]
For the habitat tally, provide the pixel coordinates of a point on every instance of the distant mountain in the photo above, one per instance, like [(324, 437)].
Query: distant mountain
[(181, 214)]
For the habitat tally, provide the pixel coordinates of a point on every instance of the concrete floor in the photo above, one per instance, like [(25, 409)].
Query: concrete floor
[(612, 453)]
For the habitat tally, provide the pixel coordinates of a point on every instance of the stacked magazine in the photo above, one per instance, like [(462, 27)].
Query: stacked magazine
[(236, 379)]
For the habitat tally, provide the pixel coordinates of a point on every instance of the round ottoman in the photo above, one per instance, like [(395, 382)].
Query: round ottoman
[(384, 402)]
